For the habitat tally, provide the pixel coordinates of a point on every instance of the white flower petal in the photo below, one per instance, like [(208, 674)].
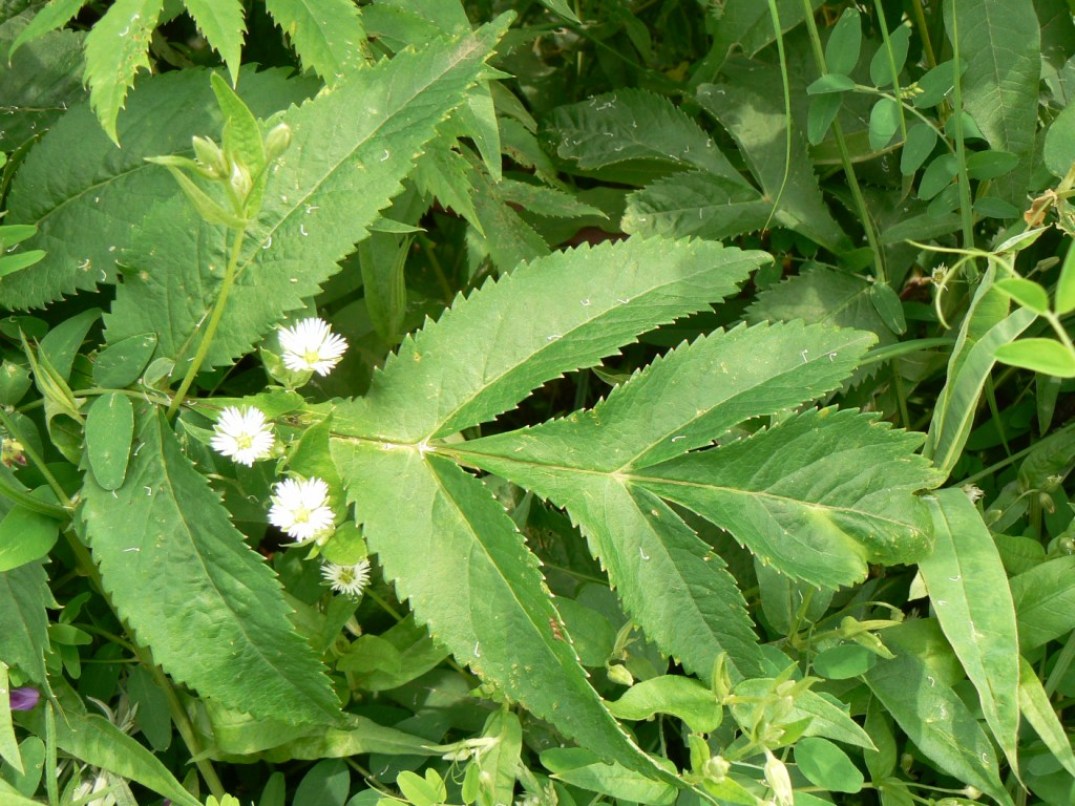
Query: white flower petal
[(349, 579), (311, 346), (300, 508), (242, 435)]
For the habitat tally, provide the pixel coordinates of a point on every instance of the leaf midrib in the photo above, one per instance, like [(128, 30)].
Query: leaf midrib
[(461, 454)]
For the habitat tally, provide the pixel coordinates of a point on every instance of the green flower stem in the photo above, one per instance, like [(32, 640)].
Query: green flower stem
[(51, 787), (214, 323), (845, 155), (34, 457)]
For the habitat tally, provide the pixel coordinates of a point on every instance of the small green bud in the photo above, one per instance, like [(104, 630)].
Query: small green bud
[(277, 140), (240, 181), (210, 157), (778, 779), (716, 769), (1045, 501), (618, 673)]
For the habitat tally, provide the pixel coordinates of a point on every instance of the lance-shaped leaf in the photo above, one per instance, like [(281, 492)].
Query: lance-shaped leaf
[(187, 583), (557, 314), (818, 496), (350, 150), (968, 588), (457, 557), (937, 721)]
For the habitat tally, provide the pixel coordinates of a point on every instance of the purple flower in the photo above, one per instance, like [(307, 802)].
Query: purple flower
[(23, 699)]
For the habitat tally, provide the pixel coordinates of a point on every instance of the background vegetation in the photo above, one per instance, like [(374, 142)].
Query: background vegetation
[(703, 432)]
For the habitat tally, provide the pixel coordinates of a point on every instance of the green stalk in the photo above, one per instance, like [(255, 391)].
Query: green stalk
[(923, 32), (778, 33), (965, 207), (214, 323), (845, 155), (184, 725), (879, 10)]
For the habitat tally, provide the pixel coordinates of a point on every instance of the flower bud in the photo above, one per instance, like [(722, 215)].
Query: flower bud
[(716, 769), (618, 673), (240, 181), (972, 792), (210, 156), (778, 779), (277, 140)]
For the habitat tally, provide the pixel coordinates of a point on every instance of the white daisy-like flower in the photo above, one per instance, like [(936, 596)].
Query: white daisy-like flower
[(242, 434), (300, 507), (349, 579), (311, 345)]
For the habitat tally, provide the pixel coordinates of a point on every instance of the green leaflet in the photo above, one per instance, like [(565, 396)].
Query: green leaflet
[(645, 547), (1045, 602), (391, 110), (42, 76), (222, 23), (968, 588), (1000, 44), (752, 110), (821, 294), (164, 543), (327, 34), (563, 312), (699, 391), (695, 204), (67, 197), (623, 127), (24, 595), (818, 496), (116, 49), (463, 567)]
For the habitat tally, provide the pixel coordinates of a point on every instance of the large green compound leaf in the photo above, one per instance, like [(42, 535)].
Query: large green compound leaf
[(182, 576), (457, 557), (351, 148), (77, 181), (556, 314), (602, 465)]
